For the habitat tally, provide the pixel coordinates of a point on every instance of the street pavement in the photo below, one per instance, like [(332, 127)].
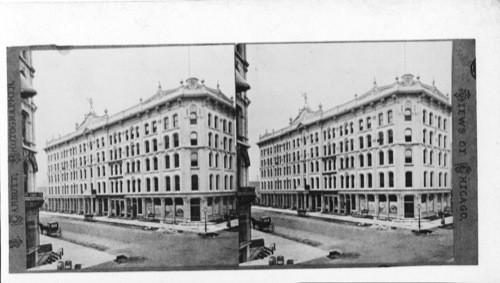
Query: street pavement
[(191, 227), (412, 225), (163, 249), (360, 245)]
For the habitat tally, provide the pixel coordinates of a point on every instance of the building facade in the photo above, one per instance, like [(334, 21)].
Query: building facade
[(171, 157), (386, 153), (33, 199)]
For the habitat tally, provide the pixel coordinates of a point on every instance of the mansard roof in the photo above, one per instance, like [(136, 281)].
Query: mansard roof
[(407, 84), (191, 89)]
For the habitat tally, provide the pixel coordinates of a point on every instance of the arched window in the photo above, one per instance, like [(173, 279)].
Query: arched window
[(210, 156), (361, 180), (147, 164), (439, 158), (176, 160), (165, 123), (216, 141), (360, 124), (146, 130), (425, 156), (209, 119), (430, 118), (369, 122), (194, 182), (380, 138), (216, 122), (381, 179), (444, 159), (209, 139), (217, 179), (408, 179), (194, 159), (176, 139), (408, 135), (444, 142), (361, 160), (408, 156), (390, 154), (440, 180), (370, 180), (431, 157), (381, 158), (369, 157), (167, 184), (407, 114), (192, 118), (424, 113), (155, 163), (194, 138), (175, 119), (216, 160), (369, 141), (361, 142), (380, 119), (431, 136), (425, 179), (146, 144), (177, 183), (167, 161), (155, 145), (389, 117), (211, 183), (390, 137), (166, 141), (431, 180), (225, 182), (391, 180)]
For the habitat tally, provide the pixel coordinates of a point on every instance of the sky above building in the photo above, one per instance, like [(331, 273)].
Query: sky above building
[(330, 74), (115, 79)]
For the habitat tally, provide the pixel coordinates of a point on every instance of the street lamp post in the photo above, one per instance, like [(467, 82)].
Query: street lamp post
[(205, 210), (419, 207)]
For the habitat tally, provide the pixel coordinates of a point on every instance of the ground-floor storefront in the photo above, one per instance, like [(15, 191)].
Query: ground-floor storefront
[(379, 204), (179, 208)]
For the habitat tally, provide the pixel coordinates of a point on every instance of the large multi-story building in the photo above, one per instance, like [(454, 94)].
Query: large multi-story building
[(172, 157), (386, 153), (33, 199)]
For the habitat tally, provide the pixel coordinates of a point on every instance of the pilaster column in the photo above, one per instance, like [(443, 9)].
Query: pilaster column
[(162, 201), (187, 208), (388, 205), (143, 206), (109, 207), (376, 206), (356, 199)]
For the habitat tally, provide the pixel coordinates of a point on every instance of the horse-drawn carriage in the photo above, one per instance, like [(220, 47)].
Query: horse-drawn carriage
[(51, 229), (264, 224)]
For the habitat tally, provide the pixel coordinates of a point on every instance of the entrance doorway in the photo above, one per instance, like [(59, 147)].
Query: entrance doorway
[(409, 207), (195, 209)]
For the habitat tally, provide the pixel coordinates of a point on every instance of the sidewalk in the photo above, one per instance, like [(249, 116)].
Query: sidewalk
[(195, 228), (287, 248), (412, 225), (78, 254)]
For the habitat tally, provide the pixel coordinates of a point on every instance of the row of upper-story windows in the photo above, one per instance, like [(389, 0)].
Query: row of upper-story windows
[(428, 119), (385, 179), (213, 141), (224, 125), (364, 160)]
